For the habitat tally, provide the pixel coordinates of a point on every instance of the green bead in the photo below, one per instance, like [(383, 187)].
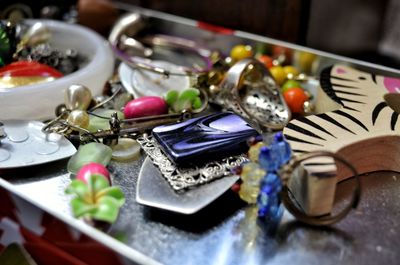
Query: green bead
[(97, 123), (5, 45), (91, 152), (7, 42), (262, 48), (171, 97), (187, 99), (290, 84), (189, 94), (197, 103)]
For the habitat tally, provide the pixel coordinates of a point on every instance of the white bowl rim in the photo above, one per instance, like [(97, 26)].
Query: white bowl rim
[(90, 66)]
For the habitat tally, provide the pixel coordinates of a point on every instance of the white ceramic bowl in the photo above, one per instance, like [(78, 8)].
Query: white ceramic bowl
[(40, 100)]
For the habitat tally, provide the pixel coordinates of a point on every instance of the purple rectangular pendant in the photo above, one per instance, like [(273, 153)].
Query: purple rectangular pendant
[(205, 139)]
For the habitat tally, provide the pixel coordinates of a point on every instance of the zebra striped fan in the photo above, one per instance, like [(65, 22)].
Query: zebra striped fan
[(364, 129)]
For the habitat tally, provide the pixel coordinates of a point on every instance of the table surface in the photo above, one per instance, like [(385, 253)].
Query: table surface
[(225, 232)]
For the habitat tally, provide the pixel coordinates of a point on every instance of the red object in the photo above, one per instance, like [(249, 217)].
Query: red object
[(43, 252), (266, 60), (51, 242), (295, 98), (235, 187), (145, 106), (213, 28), (279, 50), (28, 69), (93, 168)]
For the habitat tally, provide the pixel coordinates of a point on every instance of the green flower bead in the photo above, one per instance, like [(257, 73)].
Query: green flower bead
[(186, 99), (171, 97), (96, 199), (197, 103), (189, 94)]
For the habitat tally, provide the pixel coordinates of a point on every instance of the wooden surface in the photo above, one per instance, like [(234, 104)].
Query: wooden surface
[(281, 19)]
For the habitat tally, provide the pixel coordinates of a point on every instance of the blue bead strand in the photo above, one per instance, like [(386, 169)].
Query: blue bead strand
[(271, 159)]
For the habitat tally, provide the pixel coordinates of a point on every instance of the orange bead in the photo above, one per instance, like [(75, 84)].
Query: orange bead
[(295, 98), (266, 60)]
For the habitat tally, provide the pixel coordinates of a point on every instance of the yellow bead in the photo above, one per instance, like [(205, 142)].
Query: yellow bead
[(240, 52), (305, 61), (251, 177), (288, 69), (254, 151), (78, 118), (249, 193), (278, 74)]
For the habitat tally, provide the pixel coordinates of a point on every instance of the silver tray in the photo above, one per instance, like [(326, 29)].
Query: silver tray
[(224, 232)]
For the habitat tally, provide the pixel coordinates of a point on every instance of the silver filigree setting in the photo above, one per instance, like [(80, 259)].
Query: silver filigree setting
[(181, 178)]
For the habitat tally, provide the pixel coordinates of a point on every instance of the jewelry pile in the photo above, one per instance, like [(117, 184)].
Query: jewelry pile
[(219, 119)]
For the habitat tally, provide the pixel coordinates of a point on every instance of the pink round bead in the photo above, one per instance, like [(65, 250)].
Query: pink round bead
[(92, 168), (145, 106)]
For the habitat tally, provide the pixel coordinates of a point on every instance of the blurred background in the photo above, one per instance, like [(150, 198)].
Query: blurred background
[(363, 29)]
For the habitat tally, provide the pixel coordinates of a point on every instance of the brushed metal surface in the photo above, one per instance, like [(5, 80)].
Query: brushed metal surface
[(225, 232)]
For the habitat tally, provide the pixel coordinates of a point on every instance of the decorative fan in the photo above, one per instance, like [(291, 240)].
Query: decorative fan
[(363, 128)]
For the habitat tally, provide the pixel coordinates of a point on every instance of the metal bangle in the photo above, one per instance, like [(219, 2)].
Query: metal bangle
[(124, 31), (322, 220), (135, 63)]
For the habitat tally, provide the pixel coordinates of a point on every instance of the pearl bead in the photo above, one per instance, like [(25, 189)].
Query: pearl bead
[(77, 97), (78, 118)]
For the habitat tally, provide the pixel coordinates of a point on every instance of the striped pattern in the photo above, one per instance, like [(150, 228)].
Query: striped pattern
[(363, 114)]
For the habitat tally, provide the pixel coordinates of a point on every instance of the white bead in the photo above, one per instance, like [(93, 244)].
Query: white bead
[(126, 149)]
